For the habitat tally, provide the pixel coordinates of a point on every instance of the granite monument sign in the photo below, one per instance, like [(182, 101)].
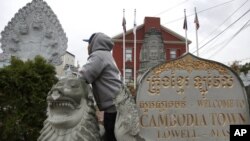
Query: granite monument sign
[(190, 99)]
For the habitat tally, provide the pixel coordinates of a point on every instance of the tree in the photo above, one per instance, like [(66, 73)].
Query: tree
[(23, 90), (235, 66), (245, 68)]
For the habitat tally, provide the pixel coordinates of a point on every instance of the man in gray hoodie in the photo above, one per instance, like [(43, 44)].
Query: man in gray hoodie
[(101, 71)]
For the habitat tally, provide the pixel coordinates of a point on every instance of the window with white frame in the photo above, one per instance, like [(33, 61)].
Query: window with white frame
[(173, 54), (128, 75), (128, 53)]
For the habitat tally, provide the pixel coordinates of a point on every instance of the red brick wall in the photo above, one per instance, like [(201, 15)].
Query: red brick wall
[(149, 22)]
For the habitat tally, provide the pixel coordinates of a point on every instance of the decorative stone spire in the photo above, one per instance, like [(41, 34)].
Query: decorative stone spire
[(35, 30), (153, 51)]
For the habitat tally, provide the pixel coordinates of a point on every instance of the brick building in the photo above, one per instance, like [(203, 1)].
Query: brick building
[(155, 44)]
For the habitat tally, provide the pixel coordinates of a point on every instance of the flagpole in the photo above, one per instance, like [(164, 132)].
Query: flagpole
[(196, 30), (134, 49), (187, 49), (124, 24)]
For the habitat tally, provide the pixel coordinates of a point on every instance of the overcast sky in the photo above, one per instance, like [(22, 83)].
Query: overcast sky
[(80, 18)]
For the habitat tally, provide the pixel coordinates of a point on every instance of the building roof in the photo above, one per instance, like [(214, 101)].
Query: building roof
[(127, 32), (175, 34), (70, 53)]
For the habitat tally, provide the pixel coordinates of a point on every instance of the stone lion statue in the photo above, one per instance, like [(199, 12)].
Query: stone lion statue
[(70, 113)]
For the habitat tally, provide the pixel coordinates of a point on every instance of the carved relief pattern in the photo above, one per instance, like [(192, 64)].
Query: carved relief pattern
[(4, 57), (35, 30), (203, 83), (128, 114), (153, 50), (189, 64)]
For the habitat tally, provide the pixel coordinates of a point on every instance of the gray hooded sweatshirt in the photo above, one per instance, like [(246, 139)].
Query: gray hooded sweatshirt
[(101, 71)]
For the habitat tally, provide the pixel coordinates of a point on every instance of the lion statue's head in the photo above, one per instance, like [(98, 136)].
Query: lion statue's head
[(70, 112)]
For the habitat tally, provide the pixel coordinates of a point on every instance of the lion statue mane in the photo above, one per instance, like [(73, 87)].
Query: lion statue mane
[(70, 113)]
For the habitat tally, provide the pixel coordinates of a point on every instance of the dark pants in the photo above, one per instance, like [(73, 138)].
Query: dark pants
[(109, 125)]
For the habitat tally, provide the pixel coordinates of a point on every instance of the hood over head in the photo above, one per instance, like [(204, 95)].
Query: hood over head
[(100, 41)]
